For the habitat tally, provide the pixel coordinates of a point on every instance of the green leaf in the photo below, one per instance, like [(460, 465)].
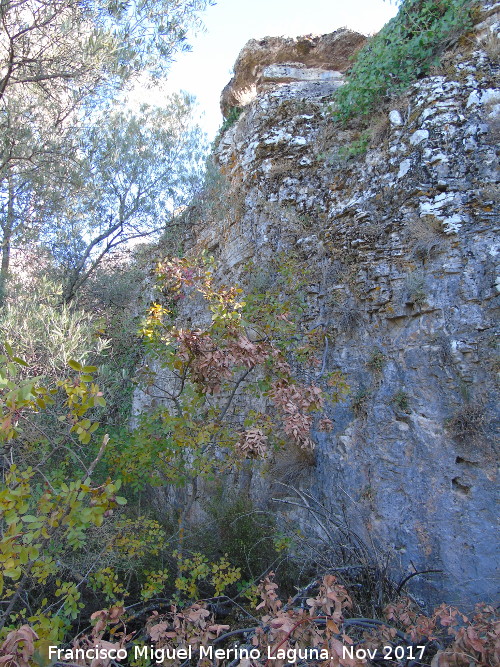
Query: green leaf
[(13, 573), (23, 556), (75, 365)]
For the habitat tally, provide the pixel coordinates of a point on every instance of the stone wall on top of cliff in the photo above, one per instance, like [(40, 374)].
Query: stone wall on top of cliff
[(403, 241)]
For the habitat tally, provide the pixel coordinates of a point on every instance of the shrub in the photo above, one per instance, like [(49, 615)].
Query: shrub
[(404, 50), (113, 293), (236, 529), (415, 289), (491, 44), (469, 422), (48, 334), (353, 149), (46, 511), (426, 237), (359, 401), (229, 121), (232, 117)]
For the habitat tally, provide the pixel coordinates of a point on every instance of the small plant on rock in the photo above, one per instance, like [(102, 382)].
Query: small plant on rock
[(359, 400), (376, 362), (401, 400), (415, 289), (468, 422), (353, 149)]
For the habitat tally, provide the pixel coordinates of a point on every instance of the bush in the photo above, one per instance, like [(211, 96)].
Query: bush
[(404, 50), (114, 294), (401, 400), (469, 422), (47, 511), (48, 334), (232, 117), (415, 289), (244, 534), (353, 149)]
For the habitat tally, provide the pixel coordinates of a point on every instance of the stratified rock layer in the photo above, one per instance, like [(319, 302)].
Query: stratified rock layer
[(403, 239), (260, 60)]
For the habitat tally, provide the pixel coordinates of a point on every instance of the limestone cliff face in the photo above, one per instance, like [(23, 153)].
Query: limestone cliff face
[(403, 239)]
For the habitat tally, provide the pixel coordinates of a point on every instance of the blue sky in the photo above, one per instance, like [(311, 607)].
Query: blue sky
[(231, 23)]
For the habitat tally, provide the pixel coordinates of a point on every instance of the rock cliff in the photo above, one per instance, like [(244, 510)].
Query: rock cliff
[(400, 227), (275, 59)]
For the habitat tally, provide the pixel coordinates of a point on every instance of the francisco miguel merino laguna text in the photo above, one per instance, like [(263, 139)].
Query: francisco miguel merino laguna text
[(291, 655), (158, 655)]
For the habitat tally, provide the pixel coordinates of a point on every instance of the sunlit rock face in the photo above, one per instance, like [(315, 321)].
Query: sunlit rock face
[(403, 242), (271, 61)]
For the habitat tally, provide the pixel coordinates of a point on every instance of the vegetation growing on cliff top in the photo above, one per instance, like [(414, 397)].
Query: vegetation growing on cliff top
[(403, 51)]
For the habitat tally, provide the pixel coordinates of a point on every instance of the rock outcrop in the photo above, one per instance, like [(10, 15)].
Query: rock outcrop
[(403, 238), (308, 58)]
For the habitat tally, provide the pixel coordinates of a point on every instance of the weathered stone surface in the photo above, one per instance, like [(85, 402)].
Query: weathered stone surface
[(404, 244), (405, 241), (264, 60)]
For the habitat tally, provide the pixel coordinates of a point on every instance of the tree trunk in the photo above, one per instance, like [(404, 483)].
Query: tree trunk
[(8, 229)]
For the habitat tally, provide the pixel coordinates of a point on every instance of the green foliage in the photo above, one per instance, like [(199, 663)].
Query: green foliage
[(107, 581), (377, 360), (131, 172), (154, 584), (196, 570), (48, 334), (43, 517), (182, 438), (404, 50), (111, 296), (353, 149), (359, 400), (275, 296), (76, 174), (230, 120), (99, 328), (236, 528), (401, 400), (64, 530)]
